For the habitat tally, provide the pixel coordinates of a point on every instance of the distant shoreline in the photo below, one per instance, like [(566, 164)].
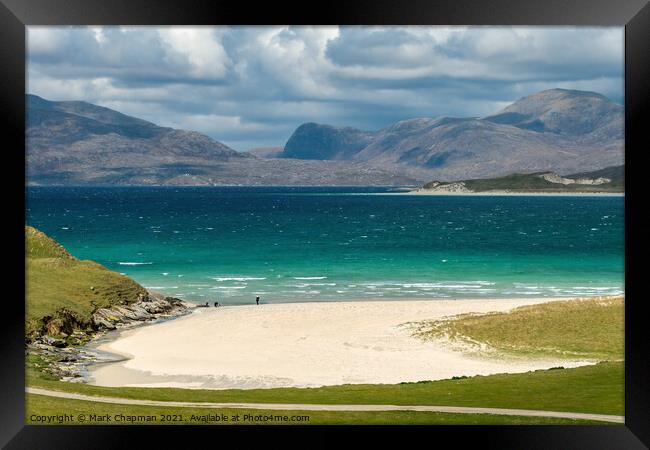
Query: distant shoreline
[(514, 194), (396, 190)]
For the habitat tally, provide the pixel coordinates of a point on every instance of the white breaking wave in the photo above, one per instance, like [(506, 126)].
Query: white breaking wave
[(304, 285), (309, 278), (128, 263), (236, 278)]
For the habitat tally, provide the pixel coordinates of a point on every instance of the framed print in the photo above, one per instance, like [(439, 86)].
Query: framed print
[(417, 219)]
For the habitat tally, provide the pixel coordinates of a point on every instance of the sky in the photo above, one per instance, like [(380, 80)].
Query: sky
[(251, 87)]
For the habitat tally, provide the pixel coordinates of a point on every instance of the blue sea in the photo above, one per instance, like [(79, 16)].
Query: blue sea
[(230, 244)]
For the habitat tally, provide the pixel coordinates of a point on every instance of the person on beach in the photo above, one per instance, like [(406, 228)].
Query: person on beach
[(257, 300)]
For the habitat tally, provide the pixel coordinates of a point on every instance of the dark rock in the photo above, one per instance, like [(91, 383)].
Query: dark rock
[(54, 342)]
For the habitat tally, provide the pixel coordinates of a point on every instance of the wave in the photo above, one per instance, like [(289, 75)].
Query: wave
[(309, 278), (128, 263), (449, 285), (590, 288), (237, 278)]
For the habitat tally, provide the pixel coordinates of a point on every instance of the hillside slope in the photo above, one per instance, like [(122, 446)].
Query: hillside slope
[(62, 291), (68, 138)]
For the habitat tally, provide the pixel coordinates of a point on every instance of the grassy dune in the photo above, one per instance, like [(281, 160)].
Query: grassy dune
[(58, 283), (583, 328)]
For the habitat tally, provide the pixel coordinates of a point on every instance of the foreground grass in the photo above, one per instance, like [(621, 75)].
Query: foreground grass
[(590, 389), (92, 413), (56, 281), (582, 328)]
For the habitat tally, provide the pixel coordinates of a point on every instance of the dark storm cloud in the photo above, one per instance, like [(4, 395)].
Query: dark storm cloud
[(252, 86)]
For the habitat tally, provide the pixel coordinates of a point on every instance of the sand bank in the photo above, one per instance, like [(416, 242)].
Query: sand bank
[(301, 345)]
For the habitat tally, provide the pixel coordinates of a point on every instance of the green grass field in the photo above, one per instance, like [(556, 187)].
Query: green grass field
[(38, 405), (57, 283), (589, 389), (582, 328)]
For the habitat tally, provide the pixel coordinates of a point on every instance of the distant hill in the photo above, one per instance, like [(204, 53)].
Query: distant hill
[(555, 130), (610, 179), (315, 141), (78, 143), (65, 138), (566, 112)]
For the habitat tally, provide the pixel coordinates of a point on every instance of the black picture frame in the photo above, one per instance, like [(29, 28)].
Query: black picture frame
[(634, 15)]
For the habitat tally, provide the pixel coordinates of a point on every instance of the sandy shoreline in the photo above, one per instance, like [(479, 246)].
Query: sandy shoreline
[(301, 345)]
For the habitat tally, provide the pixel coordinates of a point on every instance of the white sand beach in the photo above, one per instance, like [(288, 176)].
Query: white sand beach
[(301, 345)]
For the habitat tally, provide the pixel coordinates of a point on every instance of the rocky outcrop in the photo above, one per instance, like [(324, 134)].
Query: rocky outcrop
[(436, 186), (555, 178), (151, 307), (54, 357), (63, 324), (59, 347)]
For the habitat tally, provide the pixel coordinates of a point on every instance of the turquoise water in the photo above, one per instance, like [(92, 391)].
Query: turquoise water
[(229, 244)]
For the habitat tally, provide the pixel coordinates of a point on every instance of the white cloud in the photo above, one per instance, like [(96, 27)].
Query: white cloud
[(99, 34), (200, 46), (245, 85), (44, 40)]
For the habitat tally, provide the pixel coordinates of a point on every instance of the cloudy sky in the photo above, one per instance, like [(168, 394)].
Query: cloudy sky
[(252, 86)]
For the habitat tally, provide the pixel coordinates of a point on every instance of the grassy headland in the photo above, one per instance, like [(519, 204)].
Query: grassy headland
[(62, 289), (536, 182)]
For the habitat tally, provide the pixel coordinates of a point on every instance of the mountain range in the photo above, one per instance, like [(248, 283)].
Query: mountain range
[(564, 131), (556, 130)]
